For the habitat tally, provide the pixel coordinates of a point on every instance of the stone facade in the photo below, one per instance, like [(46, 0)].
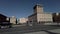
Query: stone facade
[(44, 17), (32, 18)]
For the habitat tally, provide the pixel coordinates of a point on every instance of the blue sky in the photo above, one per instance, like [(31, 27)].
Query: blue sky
[(24, 8)]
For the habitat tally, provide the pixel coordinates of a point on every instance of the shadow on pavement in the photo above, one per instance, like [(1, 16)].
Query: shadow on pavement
[(50, 32), (28, 29)]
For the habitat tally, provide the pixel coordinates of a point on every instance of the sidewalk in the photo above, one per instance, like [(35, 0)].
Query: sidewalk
[(55, 31)]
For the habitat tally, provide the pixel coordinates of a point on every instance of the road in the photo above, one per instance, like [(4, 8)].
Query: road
[(44, 29)]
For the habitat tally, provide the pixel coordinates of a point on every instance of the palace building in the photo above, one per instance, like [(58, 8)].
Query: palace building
[(39, 16)]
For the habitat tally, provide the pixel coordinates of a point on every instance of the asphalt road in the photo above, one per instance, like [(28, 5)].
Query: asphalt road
[(43, 29)]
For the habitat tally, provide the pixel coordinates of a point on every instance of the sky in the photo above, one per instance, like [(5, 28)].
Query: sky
[(24, 8)]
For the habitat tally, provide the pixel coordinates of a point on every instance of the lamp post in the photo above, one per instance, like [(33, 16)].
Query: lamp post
[(57, 14)]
